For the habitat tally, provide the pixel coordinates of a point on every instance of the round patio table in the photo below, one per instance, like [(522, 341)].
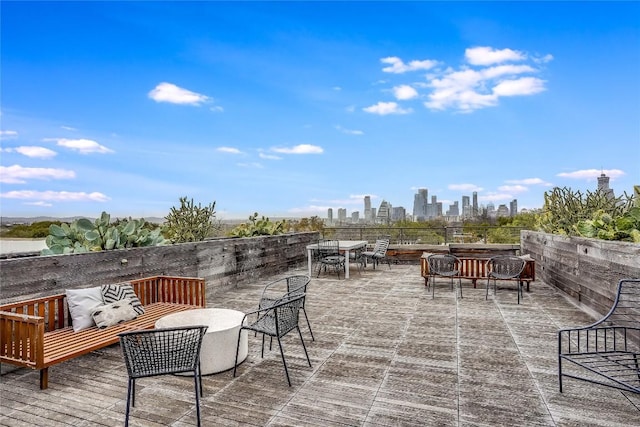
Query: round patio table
[(218, 350)]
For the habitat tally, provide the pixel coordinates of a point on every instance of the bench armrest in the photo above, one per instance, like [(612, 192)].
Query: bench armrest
[(22, 339)]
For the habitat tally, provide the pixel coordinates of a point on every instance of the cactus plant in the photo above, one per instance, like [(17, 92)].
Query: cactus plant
[(82, 235), (259, 227), (190, 223)]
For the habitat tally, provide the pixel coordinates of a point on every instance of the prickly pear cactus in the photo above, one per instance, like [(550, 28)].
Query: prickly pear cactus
[(82, 235)]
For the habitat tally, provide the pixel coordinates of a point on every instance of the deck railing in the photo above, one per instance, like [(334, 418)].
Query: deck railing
[(427, 235)]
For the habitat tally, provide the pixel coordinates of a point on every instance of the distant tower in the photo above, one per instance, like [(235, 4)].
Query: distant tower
[(420, 204), (330, 216), (474, 211), (466, 207), (367, 209), (384, 213), (342, 215), (513, 207), (603, 186)]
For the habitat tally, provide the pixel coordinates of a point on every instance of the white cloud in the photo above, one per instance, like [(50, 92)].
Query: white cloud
[(529, 181), (17, 174), (399, 67), (299, 149), (384, 108), (8, 134), (592, 174), (522, 86), (485, 55), (495, 197), (229, 150), (513, 188), (68, 128), (217, 109), (168, 92), (269, 156), (41, 204), (464, 187), (57, 196), (32, 151), (349, 131), (404, 92), (83, 146)]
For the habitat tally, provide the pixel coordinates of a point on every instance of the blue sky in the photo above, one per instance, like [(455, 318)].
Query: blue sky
[(287, 109)]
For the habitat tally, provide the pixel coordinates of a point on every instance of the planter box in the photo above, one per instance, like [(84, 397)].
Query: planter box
[(587, 270)]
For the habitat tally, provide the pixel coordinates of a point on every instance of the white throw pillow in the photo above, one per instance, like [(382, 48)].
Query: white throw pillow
[(81, 304), (114, 313)]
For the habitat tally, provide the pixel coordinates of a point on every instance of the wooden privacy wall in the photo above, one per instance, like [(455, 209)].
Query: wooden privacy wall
[(223, 263), (587, 270)]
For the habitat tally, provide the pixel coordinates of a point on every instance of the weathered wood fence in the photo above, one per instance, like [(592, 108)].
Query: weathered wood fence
[(223, 263), (587, 270)]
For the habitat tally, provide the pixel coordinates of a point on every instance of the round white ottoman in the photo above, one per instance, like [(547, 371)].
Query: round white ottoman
[(218, 350)]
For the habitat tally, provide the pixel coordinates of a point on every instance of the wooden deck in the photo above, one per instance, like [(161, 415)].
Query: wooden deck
[(385, 354)]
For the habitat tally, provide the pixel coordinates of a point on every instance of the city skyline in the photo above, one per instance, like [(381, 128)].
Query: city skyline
[(289, 108)]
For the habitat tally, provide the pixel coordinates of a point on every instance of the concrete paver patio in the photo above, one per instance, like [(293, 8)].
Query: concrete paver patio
[(385, 354)]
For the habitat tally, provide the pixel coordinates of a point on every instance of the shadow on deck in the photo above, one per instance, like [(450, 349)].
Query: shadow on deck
[(386, 354)]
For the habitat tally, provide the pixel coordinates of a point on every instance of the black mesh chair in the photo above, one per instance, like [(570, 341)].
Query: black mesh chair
[(329, 256), (444, 265), (379, 252), (505, 267), (275, 321), (357, 256), (293, 285), (155, 352)]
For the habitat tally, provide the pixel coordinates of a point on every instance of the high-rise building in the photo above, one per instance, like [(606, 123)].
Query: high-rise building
[(330, 216), (513, 207), (466, 206), (384, 213), (355, 217), (503, 210), (420, 201), (453, 209), (398, 214), (342, 215), (367, 209), (474, 211), (603, 186)]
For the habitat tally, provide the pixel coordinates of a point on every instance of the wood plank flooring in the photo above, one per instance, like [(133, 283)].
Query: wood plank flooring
[(385, 354)]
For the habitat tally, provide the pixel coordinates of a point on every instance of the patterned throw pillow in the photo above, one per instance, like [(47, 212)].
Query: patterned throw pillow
[(120, 291), (114, 313)]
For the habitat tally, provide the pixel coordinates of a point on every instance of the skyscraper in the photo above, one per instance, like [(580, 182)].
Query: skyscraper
[(384, 213), (367, 209), (603, 186), (342, 215), (420, 201), (513, 207), (466, 206), (330, 215), (475, 204)]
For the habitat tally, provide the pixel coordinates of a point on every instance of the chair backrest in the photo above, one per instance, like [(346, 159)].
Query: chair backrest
[(381, 246), (443, 263), (297, 284), (162, 351), (328, 248), (505, 266), (286, 313)]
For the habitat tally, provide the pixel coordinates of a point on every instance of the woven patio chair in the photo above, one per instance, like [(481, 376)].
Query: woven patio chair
[(504, 267), (379, 252), (358, 257), (330, 257), (275, 321), (444, 265), (293, 285), (164, 351)]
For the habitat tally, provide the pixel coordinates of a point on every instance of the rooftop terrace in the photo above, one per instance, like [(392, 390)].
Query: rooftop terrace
[(385, 354)]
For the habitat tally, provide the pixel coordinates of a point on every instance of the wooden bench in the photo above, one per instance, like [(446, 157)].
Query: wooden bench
[(476, 268), (38, 333), (607, 352)]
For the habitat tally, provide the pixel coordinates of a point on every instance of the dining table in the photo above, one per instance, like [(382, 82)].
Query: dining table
[(345, 246)]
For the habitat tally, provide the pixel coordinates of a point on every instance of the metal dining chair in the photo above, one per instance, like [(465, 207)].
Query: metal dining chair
[(163, 351), (505, 267), (444, 265)]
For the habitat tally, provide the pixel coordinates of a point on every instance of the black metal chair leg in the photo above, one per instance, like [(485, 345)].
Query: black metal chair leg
[(197, 385), (308, 324), (304, 347), (235, 365), (284, 362), (129, 399)]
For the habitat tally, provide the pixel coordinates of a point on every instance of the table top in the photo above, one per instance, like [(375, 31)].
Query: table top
[(344, 244), (217, 319)]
